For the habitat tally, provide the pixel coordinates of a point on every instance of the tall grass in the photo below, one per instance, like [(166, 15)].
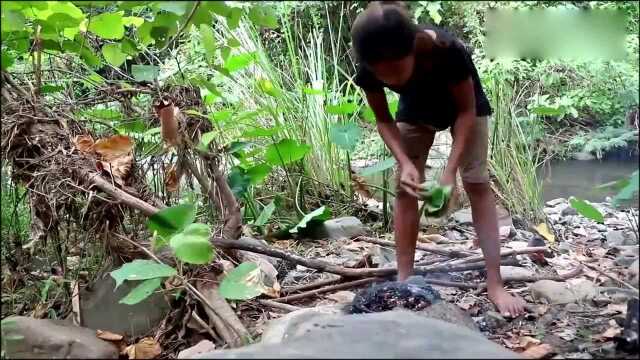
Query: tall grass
[(513, 159)]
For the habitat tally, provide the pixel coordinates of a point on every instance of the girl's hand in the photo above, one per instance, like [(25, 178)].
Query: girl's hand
[(409, 179)]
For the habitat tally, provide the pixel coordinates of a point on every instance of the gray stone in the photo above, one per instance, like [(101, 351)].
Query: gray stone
[(463, 217), (556, 202), (512, 272), (552, 291), (100, 308), (525, 235), (29, 338), (204, 346), (583, 289), (617, 238), (568, 211), (625, 260), (340, 228), (494, 320), (391, 334), (632, 273), (450, 313), (281, 328), (628, 250), (584, 156)]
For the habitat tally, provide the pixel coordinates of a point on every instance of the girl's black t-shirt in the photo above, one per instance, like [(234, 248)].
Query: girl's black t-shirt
[(426, 98)]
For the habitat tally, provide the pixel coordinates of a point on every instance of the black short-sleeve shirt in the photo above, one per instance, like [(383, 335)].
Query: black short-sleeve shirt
[(426, 97)]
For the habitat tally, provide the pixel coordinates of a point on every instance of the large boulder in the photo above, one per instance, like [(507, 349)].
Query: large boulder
[(29, 338), (391, 334), (339, 228)]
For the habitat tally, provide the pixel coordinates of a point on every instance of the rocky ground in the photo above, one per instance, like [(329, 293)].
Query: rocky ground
[(585, 316)]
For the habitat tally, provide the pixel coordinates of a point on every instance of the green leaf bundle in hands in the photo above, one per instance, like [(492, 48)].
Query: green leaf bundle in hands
[(435, 197)]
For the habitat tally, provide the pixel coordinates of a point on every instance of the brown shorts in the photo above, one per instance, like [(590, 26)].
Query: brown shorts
[(418, 139)]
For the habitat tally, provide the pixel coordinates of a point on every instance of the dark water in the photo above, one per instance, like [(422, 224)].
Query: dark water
[(579, 178)]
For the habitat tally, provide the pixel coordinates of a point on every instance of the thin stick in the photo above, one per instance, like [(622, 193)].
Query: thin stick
[(279, 306), (502, 254), (343, 286), (611, 277), (423, 247), (315, 285), (205, 326)]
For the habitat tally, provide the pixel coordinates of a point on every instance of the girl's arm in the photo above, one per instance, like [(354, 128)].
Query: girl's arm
[(466, 104)]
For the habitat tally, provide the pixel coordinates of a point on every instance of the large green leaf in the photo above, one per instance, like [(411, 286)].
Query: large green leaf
[(145, 72), (107, 26), (345, 136), (265, 215), (233, 17), (258, 173), (263, 16), (320, 214), (12, 20), (238, 181), (378, 167), (192, 244), (113, 54), (242, 283), (585, 209), (547, 111), (342, 108), (7, 60), (141, 270), (176, 7), (208, 42), (239, 62), (258, 131), (629, 190), (129, 47), (173, 220), (435, 199), (285, 152), (141, 292), (267, 87)]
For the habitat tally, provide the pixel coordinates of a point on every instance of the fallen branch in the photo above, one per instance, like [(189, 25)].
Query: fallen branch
[(504, 253), (279, 306), (611, 277), (422, 247), (343, 286), (291, 289), (571, 274)]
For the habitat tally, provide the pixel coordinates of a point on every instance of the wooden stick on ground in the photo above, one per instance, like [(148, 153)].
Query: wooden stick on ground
[(573, 273), (611, 277), (278, 305), (291, 289), (503, 253), (343, 286), (423, 247)]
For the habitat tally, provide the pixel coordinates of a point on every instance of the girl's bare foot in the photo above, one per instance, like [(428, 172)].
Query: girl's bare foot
[(508, 305)]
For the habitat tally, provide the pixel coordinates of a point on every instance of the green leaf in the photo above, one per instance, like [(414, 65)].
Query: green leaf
[(260, 132), (107, 26), (207, 138), (629, 189), (113, 54), (238, 181), (345, 136), (169, 221), (128, 5), (585, 209), (129, 47), (547, 111), (378, 167), (435, 199), (242, 283), (141, 270), (12, 21), (132, 21), (285, 152), (145, 72), (208, 41), (239, 62), (222, 115), (258, 173), (233, 18), (141, 292), (342, 109), (232, 42), (192, 244), (320, 214), (51, 89), (266, 86), (176, 7), (263, 16), (235, 146), (312, 91), (7, 60), (434, 11), (265, 214), (60, 21)]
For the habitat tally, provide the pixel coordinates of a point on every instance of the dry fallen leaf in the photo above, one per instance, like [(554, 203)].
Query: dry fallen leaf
[(108, 335), (608, 334), (171, 181), (114, 147), (118, 168), (146, 348), (360, 186), (545, 232), (84, 143), (538, 351), (528, 342), (267, 274), (168, 115), (434, 238)]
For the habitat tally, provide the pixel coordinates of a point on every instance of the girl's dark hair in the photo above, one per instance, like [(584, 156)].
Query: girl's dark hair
[(383, 31)]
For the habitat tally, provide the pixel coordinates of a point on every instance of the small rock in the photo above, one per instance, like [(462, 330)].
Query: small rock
[(342, 297), (579, 232), (450, 313), (632, 273), (553, 292), (202, 347), (601, 228), (507, 232), (382, 256), (616, 238), (463, 217), (601, 300), (568, 211), (572, 308), (280, 329), (556, 202), (517, 245), (564, 247), (512, 272), (454, 235), (336, 229), (50, 339), (494, 320), (626, 260), (628, 250), (525, 235), (583, 289)]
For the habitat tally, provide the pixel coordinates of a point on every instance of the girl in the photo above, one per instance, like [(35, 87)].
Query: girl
[(439, 88)]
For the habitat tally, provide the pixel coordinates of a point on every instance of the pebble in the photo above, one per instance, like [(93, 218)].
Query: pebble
[(494, 320), (556, 202), (626, 260), (615, 238), (202, 347), (579, 232), (632, 273), (568, 211)]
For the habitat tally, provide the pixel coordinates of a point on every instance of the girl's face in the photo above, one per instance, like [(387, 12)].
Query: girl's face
[(394, 72)]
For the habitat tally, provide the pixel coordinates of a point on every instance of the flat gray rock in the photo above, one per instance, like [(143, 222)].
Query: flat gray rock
[(340, 228), (29, 338), (391, 334)]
